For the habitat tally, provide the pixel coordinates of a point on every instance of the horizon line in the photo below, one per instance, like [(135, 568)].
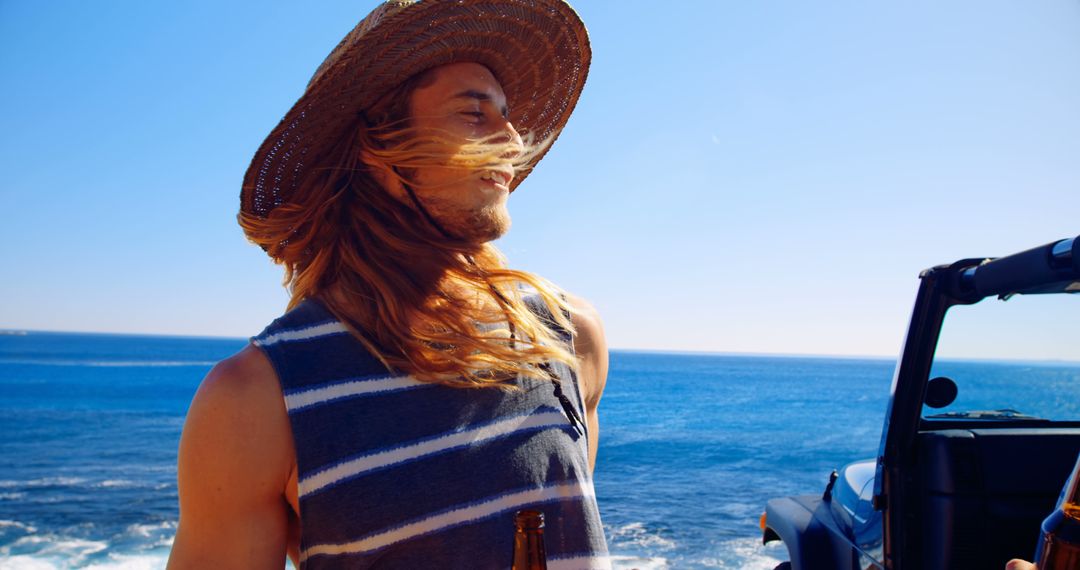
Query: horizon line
[(689, 352), (632, 350)]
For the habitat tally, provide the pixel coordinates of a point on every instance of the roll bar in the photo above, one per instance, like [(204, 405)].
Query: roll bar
[(1050, 268)]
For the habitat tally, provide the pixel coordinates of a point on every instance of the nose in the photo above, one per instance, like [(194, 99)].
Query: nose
[(513, 138)]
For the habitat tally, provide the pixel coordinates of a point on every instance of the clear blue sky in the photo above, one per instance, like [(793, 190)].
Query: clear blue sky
[(739, 176)]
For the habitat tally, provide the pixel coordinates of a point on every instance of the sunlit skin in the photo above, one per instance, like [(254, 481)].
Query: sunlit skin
[(461, 100), (237, 474)]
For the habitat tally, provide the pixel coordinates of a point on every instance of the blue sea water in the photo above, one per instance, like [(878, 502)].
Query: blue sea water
[(691, 445)]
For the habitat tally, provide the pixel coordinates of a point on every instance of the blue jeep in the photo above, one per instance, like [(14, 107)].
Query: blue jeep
[(958, 489)]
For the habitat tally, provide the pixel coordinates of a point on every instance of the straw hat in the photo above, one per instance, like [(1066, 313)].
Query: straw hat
[(538, 50)]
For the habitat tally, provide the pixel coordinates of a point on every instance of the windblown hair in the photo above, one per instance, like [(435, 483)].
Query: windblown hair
[(440, 308)]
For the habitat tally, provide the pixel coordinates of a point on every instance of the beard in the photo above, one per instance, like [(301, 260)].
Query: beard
[(477, 224), (447, 176)]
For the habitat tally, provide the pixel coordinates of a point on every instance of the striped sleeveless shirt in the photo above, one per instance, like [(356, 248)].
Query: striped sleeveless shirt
[(397, 473)]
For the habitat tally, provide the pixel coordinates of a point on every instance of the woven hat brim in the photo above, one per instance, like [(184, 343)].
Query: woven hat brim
[(537, 49)]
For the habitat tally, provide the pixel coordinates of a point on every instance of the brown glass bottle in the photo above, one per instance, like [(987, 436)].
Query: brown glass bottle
[(529, 541), (1059, 548)]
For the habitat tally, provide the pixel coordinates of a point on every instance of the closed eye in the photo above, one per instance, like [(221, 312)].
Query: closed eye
[(481, 97), (475, 117)]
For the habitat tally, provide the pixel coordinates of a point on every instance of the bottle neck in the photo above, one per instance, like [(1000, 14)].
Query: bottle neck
[(529, 521), (529, 541), (1071, 502)]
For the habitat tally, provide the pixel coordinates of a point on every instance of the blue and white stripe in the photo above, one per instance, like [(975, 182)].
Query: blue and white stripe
[(356, 467), (302, 333), (297, 400), (456, 516)]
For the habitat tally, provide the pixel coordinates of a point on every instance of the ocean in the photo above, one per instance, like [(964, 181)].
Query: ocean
[(691, 445)]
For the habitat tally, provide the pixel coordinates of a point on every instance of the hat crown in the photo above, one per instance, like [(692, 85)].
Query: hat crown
[(369, 23)]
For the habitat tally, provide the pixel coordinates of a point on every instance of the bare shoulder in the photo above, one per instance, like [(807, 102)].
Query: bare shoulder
[(590, 346), (239, 409), (234, 463), (586, 319), (246, 374)]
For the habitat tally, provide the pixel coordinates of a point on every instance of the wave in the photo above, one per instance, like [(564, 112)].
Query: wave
[(750, 554), (6, 524), (49, 552), (13, 490), (121, 483), (112, 562), (638, 563), (635, 546), (54, 552), (107, 363), (36, 549), (43, 482), (157, 531), (636, 535)]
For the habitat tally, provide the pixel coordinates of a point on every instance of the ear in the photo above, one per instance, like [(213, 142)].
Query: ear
[(384, 175)]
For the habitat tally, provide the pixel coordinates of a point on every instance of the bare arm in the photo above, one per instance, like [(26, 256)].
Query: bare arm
[(591, 348), (235, 460)]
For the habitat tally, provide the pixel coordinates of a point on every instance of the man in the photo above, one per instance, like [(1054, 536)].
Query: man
[(418, 392)]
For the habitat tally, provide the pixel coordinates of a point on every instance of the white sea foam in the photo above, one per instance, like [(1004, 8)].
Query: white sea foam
[(746, 554), (153, 561), (107, 363), (43, 482), (71, 482), (753, 555), (27, 563), (61, 553), (636, 535), (741, 553), (150, 530), (132, 562), (54, 552), (118, 483), (11, 496), (5, 524), (23, 542), (638, 563), (163, 542)]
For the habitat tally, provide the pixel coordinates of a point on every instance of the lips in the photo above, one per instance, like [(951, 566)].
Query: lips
[(501, 177)]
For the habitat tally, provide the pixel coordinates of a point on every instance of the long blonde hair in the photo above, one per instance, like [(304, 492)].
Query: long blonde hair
[(417, 298)]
